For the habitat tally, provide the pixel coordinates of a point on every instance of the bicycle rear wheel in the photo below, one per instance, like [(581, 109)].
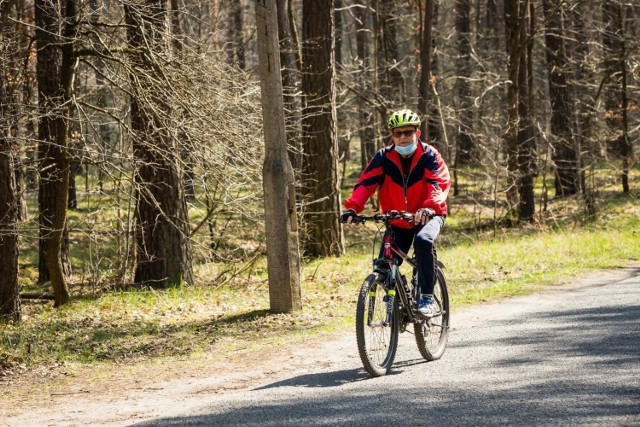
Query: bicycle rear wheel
[(377, 338), (432, 334)]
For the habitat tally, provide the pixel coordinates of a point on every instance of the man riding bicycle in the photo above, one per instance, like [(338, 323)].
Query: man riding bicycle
[(410, 176)]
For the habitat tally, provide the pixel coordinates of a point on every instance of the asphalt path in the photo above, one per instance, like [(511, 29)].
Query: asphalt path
[(568, 356)]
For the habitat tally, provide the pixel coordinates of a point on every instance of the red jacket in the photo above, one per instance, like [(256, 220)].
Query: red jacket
[(426, 185)]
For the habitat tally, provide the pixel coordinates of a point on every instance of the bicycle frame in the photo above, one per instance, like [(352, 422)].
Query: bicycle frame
[(391, 272)]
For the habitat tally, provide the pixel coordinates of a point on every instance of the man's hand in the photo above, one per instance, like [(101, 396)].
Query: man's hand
[(347, 216), (423, 216)]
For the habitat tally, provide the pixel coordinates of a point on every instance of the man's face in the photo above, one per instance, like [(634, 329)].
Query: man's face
[(404, 136)]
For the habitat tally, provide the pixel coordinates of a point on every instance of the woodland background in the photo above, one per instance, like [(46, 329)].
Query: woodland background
[(132, 147)]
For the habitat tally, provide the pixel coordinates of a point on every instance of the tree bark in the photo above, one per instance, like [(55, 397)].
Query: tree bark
[(582, 76), (466, 150), (283, 257), (56, 71), (526, 138), (163, 248), (235, 43), (291, 84), (365, 115), (426, 51), (563, 147), (616, 88), (17, 36), (320, 159), (391, 81), (512, 29), (9, 289)]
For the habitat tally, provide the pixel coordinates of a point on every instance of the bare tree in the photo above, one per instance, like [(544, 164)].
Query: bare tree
[(163, 256), (56, 28), (281, 222)]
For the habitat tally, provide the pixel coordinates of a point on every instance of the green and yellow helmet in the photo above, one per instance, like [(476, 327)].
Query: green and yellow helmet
[(403, 118)]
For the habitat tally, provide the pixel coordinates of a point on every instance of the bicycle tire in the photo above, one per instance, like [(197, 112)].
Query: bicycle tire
[(377, 340), (432, 334)]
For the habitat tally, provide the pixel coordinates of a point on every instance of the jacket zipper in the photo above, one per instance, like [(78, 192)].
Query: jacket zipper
[(405, 180), (405, 183)]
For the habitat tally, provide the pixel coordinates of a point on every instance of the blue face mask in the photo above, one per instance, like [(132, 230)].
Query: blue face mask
[(407, 149)]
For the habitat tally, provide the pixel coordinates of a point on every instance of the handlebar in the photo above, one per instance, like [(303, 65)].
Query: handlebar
[(383, 217)]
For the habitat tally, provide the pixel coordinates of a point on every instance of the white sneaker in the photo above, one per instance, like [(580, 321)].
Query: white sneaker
[(427, 307)]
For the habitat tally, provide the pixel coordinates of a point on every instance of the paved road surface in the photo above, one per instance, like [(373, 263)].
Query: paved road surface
[(569, 356)]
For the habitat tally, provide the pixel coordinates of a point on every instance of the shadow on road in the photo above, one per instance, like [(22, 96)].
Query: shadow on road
[(336, 379), (567, 367), (321, 379)]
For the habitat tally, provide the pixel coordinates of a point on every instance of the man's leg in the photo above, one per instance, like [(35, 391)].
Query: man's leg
[(426, 255), (402, 238)]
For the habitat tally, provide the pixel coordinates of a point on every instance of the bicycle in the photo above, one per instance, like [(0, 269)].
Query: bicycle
[(379, 321)]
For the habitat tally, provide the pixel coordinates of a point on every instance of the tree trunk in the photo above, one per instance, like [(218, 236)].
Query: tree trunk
[(512, 29), (163, 248), (294, 34), (526, 137), (616, 89), (17, 36), (323, 234), (578, 54), (9, 289), (391, 81), (235, 43), (291, 84), (55, 70), (563, 145), (283, 257), (466, 151), (365, 115), (72, 197), (425, 66), (343, 134)]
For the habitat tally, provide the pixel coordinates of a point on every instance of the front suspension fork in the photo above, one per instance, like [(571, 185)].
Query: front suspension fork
[(391, 293)]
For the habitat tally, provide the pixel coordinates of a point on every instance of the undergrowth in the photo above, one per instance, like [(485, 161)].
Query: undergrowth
[(225, 314)]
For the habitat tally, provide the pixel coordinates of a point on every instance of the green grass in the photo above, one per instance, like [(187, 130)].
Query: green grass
[(489, 270), (226, 313)]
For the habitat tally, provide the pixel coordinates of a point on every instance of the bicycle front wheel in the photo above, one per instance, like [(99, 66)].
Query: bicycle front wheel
[(377, 336), (432, 334)]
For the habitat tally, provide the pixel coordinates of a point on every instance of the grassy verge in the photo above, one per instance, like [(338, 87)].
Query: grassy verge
[(126, 327)]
